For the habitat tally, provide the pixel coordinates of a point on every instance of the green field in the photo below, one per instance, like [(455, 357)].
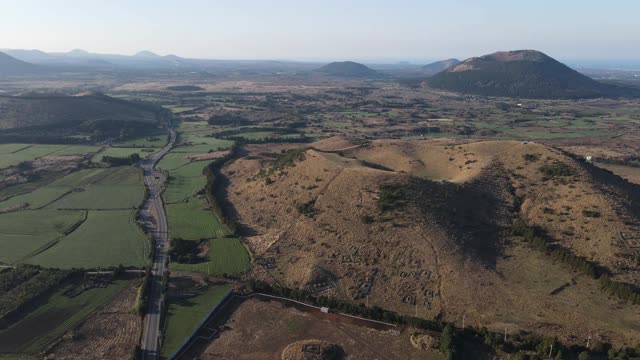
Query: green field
[(184, 316), (77, 150), (193, 220), (184, 182), (105, 239), (226, 256), (13, 154), (25, 232), (50, 236), (123, 152), (156, 141), (54, 316), (178, 109), (121, 189), (173, 160), (36, 199)]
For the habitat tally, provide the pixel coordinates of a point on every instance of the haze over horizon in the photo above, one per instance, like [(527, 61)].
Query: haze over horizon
[(360, 30)]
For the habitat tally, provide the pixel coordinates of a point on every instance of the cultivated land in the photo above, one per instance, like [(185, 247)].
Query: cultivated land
[(53, 315), (189, 300), (85, 219)]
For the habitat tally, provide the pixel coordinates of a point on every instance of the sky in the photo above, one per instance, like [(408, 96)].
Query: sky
[(319, 30)]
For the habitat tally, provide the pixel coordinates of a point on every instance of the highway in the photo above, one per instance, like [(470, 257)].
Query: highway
[(157, 227)]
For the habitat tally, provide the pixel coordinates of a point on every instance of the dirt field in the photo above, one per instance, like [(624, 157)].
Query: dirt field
[(111, 333), (626, 172), (262, 330)]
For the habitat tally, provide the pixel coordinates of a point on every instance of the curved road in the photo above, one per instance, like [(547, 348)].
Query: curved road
[(154, 181)]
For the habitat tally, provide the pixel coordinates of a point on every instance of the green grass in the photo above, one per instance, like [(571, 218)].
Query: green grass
[(180, 188), (184, 315), (178, 109), (37, 198), (120, 189), (106, 238), (55, 316), (26, 153), (77, 150), (155, 141), (173, 160), (193, 220), (122, 152), (226, 256), (38, 222)]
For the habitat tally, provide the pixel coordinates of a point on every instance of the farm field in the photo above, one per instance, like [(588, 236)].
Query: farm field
[(155, 141), (77, 150), (186, 312), (111, 332), (121, 189), (123, 152), (181, 187), (52, 226), (193, 220), (225, 256), (106, 239), (13, 154), (52, 316), (25, 232)]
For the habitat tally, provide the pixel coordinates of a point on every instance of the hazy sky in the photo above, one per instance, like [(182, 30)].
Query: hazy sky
[(326, 29)]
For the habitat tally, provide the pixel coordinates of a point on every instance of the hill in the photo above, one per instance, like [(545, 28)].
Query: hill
[(521, 73), (347, 69), (88, 113), (436, 67), (12, 66), (427, 227)]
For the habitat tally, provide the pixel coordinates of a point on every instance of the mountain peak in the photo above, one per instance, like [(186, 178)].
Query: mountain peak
[(519, 73), (146, 54), (347, 69), (78, 52)]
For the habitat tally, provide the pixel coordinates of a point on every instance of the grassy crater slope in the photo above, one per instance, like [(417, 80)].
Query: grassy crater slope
[(424, 226), (521, 73)]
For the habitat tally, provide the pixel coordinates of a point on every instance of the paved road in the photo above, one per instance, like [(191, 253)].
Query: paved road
[(154, 180)]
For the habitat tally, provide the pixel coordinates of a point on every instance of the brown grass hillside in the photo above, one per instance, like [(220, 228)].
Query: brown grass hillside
[(376, 224)]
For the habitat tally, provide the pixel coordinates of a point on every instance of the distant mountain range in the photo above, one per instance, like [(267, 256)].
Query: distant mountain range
[(436, 67), (348, 69), (521, 73), (12, 66)]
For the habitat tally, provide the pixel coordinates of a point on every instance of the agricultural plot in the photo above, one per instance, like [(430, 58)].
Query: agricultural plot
[(185, 314), (225, 256), (193, 220), (123, 152), (156, 141), (22, 153), (27, 232), (77, 150), (105, 239), (53, 316), (122, 189), (37, 198), (181, 188), (173, 160)]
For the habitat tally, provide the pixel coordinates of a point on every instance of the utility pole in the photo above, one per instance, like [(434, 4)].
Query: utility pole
[(505, 335), (550, 351), (463, 318), (588, 340), (367, 300)]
